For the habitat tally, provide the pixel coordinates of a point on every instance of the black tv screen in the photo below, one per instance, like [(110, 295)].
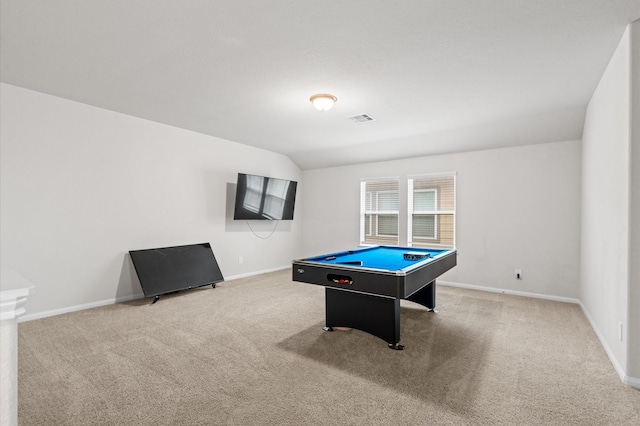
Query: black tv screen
[(169, 269), (264, 198)]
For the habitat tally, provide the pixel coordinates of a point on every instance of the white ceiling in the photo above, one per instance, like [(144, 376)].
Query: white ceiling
[(438, 76)]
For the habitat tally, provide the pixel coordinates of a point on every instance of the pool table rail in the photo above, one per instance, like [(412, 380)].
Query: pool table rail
[(372, 280), (364, 280)]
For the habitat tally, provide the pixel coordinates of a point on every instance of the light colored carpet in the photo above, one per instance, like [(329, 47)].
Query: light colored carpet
[(252, 352)]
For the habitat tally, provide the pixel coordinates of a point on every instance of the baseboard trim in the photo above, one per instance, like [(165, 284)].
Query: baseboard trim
[(631, 381), (75, 308), (511, 292), (251, 274), (627, 380)]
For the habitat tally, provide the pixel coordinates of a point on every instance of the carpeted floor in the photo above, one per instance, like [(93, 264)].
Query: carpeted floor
[(252, 352)]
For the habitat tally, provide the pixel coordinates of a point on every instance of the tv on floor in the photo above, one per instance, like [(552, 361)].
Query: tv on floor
[(170, 269), (264, 198)]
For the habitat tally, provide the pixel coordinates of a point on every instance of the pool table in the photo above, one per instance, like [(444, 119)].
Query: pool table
[(363, 287)]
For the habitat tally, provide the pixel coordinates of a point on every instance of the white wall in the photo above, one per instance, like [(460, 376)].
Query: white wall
[(516, 208), (604, 270), (633, 362), (81, 186)]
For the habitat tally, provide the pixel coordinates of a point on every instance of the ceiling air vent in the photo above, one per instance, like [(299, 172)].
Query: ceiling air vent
[(362, 118)]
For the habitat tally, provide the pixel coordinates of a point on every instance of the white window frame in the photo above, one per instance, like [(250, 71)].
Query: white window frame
[(436, 213), (375, 211)]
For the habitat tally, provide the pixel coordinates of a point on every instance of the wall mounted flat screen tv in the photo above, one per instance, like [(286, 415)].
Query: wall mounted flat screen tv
[(170, 269), (264, 198)]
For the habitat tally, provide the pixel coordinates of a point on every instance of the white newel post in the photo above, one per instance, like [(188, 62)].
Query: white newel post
[(14, 291)]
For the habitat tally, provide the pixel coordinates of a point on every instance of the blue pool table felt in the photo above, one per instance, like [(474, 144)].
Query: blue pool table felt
[(379, 257)]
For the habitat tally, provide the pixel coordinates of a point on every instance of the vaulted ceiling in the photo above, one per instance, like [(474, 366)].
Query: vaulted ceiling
[(437, 76)]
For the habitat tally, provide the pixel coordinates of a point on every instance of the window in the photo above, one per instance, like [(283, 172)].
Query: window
[(429, 218), (431, 208), (379, 211)]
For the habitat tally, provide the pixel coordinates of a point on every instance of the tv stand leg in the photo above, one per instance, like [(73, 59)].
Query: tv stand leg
[(213, 286), (155, 300)]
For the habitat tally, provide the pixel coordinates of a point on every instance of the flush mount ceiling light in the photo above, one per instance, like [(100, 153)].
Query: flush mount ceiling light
[(323, 102)]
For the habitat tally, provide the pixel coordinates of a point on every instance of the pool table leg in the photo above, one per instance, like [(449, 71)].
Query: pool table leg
[(426, 296), (376, 315)]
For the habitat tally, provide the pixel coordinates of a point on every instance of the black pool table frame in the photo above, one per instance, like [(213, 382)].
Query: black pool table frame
[(369, 299)]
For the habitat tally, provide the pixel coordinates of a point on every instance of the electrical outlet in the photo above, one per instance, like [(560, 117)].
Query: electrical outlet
[(620, 331), (240, 260), (518, 274)]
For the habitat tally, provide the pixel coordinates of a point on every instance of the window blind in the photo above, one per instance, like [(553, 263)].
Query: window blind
[(379, 206), (431, 210)]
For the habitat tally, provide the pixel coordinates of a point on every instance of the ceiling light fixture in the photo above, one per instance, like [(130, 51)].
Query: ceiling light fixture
[(323, 102)]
